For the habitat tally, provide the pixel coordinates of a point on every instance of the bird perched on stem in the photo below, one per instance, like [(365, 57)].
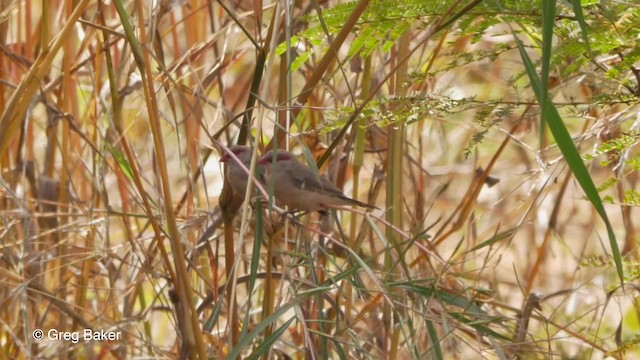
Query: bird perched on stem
[(298, 187)]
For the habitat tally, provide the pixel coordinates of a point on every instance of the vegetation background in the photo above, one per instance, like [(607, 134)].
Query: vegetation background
[(498, 138)]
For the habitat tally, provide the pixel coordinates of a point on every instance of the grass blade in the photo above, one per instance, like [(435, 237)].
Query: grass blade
[(571, 155)]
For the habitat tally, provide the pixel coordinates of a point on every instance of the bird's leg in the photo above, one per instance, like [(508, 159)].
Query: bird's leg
[(291, 214)]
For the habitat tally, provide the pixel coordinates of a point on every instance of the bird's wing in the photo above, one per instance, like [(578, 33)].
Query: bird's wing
[(313, 183), (321, 185)]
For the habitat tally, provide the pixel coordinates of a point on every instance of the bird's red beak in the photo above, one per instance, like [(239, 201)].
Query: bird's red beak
[(225, 157)]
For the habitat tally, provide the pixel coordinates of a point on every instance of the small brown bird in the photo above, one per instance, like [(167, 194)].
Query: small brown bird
[(234, 173), (298, 187)]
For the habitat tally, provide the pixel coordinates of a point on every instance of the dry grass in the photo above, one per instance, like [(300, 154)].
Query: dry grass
[(110, 189)]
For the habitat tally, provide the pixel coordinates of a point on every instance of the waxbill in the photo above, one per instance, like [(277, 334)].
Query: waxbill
[(234, 173), (298, 187)]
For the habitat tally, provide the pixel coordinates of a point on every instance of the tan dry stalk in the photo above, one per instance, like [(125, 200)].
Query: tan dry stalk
[(192, 334), (21, 98)]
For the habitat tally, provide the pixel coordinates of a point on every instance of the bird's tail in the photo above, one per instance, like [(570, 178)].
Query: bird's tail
[(359, 203)]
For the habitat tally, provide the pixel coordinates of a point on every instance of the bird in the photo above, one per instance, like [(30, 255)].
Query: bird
[(236, 176), (299, 188)]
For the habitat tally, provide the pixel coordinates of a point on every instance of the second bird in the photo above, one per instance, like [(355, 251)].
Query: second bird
[(298, 187)]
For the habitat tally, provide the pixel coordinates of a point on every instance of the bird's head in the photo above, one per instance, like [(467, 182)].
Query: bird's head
[(279, 156), (237, 150)]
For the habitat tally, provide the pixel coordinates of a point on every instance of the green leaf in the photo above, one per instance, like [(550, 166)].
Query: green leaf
[(577, 9), (498, 237), (433, 336), (300, 60), (122, 161), (127, 25), (246, 340), (282, 47), (265, 345), (548, 20), (570, 153), (255, 256)]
